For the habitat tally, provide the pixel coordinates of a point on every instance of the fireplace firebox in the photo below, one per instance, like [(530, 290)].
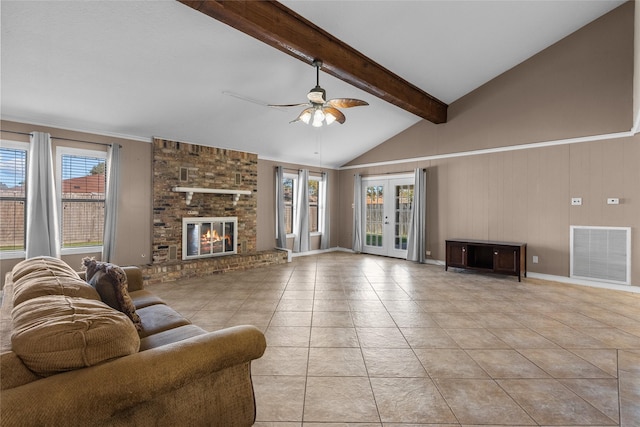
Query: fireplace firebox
[(208, 237)]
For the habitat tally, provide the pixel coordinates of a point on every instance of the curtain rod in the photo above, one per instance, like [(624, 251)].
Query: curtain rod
[(60, 139), (298, 170)]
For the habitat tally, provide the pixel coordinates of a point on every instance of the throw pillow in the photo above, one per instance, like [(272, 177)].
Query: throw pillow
[(56, 333), (110, 281)]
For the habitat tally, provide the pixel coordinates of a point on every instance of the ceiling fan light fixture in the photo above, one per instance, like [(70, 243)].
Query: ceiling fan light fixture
[(318, 118), (305, 117), (329, 118)]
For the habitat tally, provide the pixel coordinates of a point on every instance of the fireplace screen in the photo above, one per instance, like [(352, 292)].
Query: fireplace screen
[(207, 237)]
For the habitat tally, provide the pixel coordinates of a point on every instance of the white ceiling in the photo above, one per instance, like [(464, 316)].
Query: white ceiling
[(159, 68)]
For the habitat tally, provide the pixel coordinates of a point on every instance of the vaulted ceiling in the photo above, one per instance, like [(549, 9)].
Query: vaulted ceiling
[(161, 68)]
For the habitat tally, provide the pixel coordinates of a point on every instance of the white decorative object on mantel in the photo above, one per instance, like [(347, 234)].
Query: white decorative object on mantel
[(190, 190)]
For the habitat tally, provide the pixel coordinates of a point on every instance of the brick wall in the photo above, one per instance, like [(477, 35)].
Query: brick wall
[(189, 165)]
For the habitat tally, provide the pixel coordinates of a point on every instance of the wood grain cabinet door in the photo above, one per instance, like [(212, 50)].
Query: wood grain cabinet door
[(505, 260), (456, 254)]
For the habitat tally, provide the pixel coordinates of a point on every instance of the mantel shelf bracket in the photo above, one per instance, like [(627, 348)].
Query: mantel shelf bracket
[(190, 190)]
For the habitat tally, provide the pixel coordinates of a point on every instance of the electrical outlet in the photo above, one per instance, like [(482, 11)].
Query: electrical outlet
[(576, 201), (535, 259), (613, 201), (428, 253)]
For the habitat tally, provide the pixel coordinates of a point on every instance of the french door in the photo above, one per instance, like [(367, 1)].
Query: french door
[(386, 211)]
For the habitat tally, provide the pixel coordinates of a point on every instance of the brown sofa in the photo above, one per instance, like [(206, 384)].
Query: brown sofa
[(67, 358)]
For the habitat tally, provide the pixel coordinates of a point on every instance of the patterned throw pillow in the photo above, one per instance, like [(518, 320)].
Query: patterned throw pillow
[(111, 283)]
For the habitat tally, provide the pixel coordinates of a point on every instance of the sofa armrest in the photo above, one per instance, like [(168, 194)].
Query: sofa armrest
[(134, 278), (135, 282), (178, 381)]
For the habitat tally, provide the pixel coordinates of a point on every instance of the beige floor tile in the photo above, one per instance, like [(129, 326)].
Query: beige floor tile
[(413, 320), (392, 362), (560, 363), (291, 318), (476, 338), (629, 384), (602, 394), (282, 361), (334, 337), (455, 320), (377, 319), (295, 305), (567, 337), (523, 338), (332, 319), (336, 362), (339, 399), (428, 338), (257, 318), (506, 364), (614, 338), (475, 401), (494, 320), (287, 336), (279, 398), (551, 403), (389, 303), (449, 363), (605, 359), (330, 305), (381, 338), (410, 400)]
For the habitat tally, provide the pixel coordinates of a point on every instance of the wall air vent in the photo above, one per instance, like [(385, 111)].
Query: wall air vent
[(601, 254)]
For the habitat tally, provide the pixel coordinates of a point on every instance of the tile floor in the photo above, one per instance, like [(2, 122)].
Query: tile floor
[(357, 340)]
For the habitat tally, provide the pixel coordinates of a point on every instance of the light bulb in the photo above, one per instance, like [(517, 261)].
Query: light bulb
[(318, 117), (306, 117), (329, 118)]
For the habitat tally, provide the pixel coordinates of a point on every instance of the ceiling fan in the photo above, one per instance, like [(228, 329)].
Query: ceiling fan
[(319, 111)]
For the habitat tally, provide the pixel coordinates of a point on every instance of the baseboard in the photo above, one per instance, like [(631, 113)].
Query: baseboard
[(581, 282)]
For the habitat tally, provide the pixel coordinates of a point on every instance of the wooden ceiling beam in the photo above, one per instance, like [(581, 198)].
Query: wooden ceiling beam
[(282, 28)]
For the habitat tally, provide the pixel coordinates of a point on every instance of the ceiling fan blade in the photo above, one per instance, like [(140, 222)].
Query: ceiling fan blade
[(308, 111), (287, 105), (340, 118), (346, 102)]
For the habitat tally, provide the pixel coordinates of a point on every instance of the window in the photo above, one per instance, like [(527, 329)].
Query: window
[(290, 188), (314, 194), (13, 176), (82, 188), (288, 193)]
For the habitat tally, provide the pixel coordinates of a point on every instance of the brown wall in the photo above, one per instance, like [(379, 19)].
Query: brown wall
[(266, 204), (579, 87), (133, 241)]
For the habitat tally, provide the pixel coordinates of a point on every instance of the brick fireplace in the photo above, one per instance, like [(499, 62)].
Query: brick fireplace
[(179, 164)]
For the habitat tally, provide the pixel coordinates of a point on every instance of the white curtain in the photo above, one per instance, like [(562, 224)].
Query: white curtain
[(324, 212), (416, 244), (301, 241), (43, 228), (357, 213), (111, 203), (281, 231)]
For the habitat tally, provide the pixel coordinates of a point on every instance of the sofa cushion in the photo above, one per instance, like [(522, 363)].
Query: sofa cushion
[(111, 283), (54, 266), (159, 317), (35, 285), (170, 336), (144, 298), (58, 333)]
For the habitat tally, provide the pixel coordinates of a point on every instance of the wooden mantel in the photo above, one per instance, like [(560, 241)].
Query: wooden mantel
[(190, 190)]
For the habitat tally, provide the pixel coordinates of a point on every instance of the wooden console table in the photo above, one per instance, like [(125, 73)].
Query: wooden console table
[(488, 256)]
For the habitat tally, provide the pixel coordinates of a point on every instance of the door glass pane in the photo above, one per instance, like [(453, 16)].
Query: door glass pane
[(403, 202), (374, 215)]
